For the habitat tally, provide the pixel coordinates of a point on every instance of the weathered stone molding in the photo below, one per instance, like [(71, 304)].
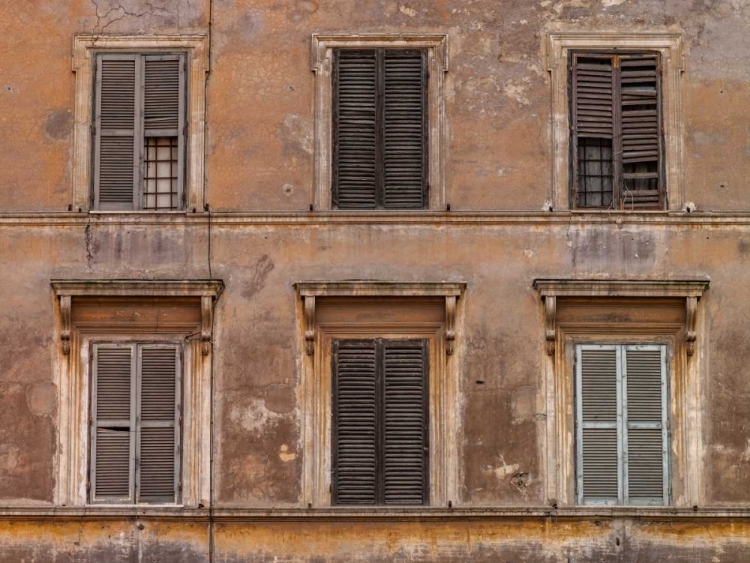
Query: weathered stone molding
[(321, 60), (308, 291), (84, 46), (550, 290), (192, 327), (557, 44)]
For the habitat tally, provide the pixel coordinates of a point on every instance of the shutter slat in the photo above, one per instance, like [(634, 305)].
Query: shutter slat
[(355, 419), (355, 130), (404, 129), (158, 405), (406, 422), (593, 98), (113, 368), (645, 404), (115, 166), (112, 464)]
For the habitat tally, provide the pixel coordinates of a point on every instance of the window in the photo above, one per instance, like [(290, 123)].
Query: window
[(379, 121), (621, 424), (134, 369), (135, 423), (380, 129), (379, 393), (606, 160), (139, 131), (380, 422), (617, 135)]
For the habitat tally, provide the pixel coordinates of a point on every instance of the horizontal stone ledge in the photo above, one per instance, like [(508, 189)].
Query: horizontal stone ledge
[(420, 218), (340, 514)]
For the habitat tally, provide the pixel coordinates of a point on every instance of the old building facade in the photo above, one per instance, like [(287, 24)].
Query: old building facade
[(340, 281)]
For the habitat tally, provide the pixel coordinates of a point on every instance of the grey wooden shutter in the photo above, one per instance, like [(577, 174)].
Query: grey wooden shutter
[(164, 117), (593, 125), (117, 135), (641, 142), (380, 129), (112, 423), (598, 431), (158, 437), (355, 434), (645, 432), (356, 156), (404, 129), (405, 422)]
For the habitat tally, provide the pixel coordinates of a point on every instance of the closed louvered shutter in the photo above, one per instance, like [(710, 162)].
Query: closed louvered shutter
[(646, 428), (158, 428), (112, 424), (380, 422), (405, 459), (640, 99), (598, 413), (355, 420), (616, 124), (117, 131), (380, 129)]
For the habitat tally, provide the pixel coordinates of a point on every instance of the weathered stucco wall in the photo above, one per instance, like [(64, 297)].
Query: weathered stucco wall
[(260, 159)]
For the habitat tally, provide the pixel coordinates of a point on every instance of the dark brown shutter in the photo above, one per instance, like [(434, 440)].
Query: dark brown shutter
[(640, 98), (593, 123), (406, 428), (405, 129), (380, 129), (112, 427), (158, 430), (355, 107), (117, 132), (355, 433)]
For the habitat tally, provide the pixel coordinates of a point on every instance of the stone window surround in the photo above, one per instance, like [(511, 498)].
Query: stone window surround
[(73, 378), (322, 65), (84, 47), (670, 45), (315, 385), (684, 373)]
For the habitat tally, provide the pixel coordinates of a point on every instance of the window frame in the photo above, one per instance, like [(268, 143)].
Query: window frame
[(323, 46), (557, 46), (85, 49)]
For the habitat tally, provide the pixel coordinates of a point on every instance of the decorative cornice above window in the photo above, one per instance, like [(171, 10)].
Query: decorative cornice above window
[(205, 290), (309, 290), (690, 290)]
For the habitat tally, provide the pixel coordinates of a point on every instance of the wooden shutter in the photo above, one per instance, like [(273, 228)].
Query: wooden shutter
[(355, 433), (641, 142), (112, 423), (645, 435), (405, 422), (404, 129), (380, 129), (356, 156), (158, 434), (117, 134), (598, 424), (380, 422), (616, 148)]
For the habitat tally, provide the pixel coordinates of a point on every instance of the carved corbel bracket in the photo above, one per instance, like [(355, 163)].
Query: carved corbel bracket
[(310, 324), (450, 324), (207, 323), (550, 312), (65, 303), (691, 335)]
